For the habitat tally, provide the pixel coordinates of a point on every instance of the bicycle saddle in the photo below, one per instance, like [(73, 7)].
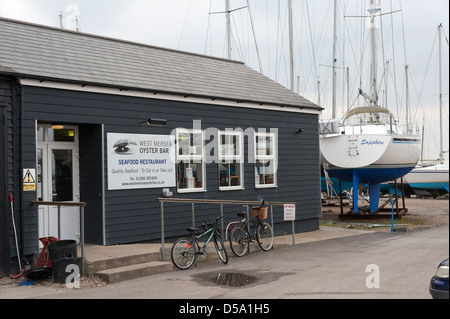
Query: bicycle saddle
[(192, 229), (241, 215)]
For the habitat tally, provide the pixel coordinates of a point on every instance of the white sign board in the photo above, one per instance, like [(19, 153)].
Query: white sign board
[(140, 161), (289, 211)]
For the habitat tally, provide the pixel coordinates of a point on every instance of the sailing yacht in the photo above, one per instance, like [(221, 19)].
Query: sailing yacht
[(433, 178), (367, 146)]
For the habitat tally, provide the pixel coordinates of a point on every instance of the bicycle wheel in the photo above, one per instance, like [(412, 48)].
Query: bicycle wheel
[(220, 248), (265, 236), (239, 241), (183, 253)]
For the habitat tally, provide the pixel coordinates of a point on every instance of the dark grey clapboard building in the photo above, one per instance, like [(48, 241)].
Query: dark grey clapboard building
[(112, 123)]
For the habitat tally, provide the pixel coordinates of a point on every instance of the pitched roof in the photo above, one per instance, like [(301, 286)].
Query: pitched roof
[(61, 55)]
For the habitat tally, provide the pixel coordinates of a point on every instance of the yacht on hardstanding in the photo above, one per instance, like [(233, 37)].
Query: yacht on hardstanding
[(367, 146)]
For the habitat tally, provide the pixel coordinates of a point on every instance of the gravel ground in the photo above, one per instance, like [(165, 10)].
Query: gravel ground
[(421, 213), (84, 283)]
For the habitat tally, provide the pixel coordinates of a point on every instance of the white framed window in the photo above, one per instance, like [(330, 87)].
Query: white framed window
[(266, 155), (190, 159), (231, 160)]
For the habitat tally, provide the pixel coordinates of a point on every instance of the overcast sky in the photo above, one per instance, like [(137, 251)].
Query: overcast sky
[(188, 25)]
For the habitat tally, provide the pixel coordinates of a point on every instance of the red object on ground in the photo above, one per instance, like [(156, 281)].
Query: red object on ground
[(44, 259)]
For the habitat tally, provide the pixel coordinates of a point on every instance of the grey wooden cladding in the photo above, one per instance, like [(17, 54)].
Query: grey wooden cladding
[(134, 215)]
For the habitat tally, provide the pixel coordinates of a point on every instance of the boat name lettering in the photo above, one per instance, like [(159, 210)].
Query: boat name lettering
[(368, 142)]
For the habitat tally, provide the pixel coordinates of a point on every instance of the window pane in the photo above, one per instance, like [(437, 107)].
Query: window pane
[(235, 174), (39, 175), (62, 184), (230, 173), (40, 134), (190, 175), (264, 145), (196, 144), (264, 172), (61, 135), (190, 143), (223, 174), (183, 143), (230, 145)]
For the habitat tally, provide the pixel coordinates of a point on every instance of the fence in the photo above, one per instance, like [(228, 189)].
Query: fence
[(217, 202)]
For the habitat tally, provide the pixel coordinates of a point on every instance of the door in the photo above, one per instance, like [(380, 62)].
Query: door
[(58, 181)]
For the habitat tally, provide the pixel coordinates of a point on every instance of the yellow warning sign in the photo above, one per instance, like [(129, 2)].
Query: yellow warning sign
[(29, 179)]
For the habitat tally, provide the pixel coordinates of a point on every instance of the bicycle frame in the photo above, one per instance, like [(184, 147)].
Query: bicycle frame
[(245, 223), (212, 231), (185, 250)]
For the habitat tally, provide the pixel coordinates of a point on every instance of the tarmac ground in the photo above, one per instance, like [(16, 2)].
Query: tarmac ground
[(422, 214)]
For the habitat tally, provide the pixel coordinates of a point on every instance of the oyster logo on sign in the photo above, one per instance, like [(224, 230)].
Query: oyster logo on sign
[(124, 147)]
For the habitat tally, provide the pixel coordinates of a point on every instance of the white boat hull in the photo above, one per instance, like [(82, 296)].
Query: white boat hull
[(434, 177), (369, 159), (365, 151)]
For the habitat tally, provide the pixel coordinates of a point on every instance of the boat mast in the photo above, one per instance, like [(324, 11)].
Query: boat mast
[(291, 45), (333, 114), (441, 151), (228, 19), (373, 10), (407, 99), (373, 96), (61, 26)]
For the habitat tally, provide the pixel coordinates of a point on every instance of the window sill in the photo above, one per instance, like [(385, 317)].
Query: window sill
[(231, 188), (193, 190), (266, 186)]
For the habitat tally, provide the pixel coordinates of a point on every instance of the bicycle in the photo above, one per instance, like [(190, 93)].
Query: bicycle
[(185, 250), (240, 236)]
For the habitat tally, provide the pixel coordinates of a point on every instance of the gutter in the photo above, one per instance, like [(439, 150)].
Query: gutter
[(155, 92)]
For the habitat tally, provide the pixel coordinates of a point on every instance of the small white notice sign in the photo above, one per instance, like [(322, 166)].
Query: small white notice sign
[(289, 211)]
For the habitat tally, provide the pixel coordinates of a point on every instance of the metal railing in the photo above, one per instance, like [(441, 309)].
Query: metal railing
[(82, 205), (216, 202)]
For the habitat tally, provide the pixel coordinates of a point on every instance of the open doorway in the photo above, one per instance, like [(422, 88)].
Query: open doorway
[(57, 164)]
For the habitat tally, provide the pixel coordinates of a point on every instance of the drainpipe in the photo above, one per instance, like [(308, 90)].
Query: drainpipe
[(20, 193)]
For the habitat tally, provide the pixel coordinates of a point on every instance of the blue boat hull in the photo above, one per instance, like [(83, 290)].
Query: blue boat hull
[(373, 177), (431, 186)]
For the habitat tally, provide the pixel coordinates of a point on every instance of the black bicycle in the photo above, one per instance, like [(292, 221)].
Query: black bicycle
[(185, 250), (241, 237)]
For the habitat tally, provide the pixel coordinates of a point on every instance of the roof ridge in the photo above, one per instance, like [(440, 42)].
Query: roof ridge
[(117, 40)]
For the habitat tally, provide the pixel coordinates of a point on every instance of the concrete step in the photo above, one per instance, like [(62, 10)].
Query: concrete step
[(94, 266), (134, 271), (100, 258), (123, 262)]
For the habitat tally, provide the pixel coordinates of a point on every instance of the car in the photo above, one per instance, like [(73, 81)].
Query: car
[(439, 283)]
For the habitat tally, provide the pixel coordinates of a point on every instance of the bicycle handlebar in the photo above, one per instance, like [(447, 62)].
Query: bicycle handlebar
[(262, 205), (211, 223)]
